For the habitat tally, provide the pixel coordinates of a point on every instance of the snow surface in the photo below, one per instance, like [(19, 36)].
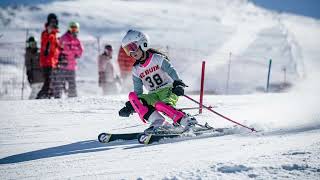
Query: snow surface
[(56, 139)]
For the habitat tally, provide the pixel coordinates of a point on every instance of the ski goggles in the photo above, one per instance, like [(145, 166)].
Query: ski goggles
[(108, 47), (31, 43), (108, 51), (53, 21), (74, 29), (131, 48)]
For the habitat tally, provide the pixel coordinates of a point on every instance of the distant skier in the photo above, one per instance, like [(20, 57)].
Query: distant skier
[(153, 70), (32, 63), (108, 80), (71, 50), (49, 52)]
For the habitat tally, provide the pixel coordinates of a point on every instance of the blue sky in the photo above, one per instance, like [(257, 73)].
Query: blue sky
[(309, 8), (24, 2)]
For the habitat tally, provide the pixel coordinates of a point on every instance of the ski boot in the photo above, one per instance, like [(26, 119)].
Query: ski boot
[(153, 130), (187, 122), (165, 129)]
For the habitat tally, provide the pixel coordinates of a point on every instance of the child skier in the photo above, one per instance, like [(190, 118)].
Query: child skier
[(153, 71)]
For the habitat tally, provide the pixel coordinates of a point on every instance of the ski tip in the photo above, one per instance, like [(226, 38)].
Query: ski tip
[(144, 138), (104, 137)]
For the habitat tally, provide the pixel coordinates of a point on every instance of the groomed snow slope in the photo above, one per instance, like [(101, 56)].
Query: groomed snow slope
[(57, 140)]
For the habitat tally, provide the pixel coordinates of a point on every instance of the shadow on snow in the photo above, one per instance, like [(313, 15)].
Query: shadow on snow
[(92, 146), (69, 149)]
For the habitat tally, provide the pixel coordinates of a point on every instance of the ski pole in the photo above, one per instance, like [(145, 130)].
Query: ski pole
[(191, 108), (252, 129), (127, 127)]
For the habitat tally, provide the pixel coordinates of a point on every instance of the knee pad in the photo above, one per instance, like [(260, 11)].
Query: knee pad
[(171, 112)]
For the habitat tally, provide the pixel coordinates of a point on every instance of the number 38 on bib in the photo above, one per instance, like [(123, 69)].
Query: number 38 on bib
[(151, 74)]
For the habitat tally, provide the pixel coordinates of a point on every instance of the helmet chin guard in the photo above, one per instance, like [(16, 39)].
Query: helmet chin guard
[(134, 36)]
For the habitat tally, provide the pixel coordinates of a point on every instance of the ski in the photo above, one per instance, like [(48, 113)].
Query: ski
[(149, 138), (196, 131), (109, 137), (152, 138)]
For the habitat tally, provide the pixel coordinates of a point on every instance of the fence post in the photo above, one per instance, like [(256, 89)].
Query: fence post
[(202, 85), (23, 66), (167, 49), (98, 42), (284, 75), (269, 71), (228, 75)]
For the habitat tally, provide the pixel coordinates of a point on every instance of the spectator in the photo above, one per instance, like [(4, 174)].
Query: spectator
[(34, 72), (108, 81), (49, 52), (71, 50)]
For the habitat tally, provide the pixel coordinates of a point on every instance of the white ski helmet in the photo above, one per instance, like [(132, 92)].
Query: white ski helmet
[(135, 39)]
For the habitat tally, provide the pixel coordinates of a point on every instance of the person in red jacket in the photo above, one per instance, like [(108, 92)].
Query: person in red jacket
[(71, 50), (49, 52), (125, 65)]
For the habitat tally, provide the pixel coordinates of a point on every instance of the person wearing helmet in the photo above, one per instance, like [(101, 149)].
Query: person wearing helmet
[(32, 63), (108, 80), (49, 52), (71, 50), (153, 71)]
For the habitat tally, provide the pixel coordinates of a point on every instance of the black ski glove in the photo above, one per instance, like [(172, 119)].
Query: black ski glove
[(62, 60), (127, 110), (178, 87), (46, 51)]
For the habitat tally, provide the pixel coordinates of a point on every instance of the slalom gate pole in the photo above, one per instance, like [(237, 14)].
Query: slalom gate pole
[(252, 129), (202, 86), (269, 71)]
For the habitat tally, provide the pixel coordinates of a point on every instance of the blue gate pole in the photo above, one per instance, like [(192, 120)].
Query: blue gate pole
[(269, 71)]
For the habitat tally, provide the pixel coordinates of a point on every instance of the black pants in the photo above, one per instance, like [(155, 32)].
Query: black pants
[(64, 80), (46, 90)]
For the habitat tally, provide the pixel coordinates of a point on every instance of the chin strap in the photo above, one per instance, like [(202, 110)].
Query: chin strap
[(145, 56)]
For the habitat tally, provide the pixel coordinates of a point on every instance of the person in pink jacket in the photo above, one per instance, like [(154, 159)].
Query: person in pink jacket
[(71, 50)]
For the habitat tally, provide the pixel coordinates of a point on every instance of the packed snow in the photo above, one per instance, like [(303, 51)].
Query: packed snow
[(57, 139)]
